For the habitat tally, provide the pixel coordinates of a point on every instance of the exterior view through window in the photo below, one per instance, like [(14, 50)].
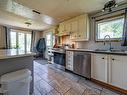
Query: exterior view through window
[(113, 28), (20, 40)]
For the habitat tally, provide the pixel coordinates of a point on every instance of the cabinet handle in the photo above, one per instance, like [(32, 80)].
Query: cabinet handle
[(113, 59), (103, 58)]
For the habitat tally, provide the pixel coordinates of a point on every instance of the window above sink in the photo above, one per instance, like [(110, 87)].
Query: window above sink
[(111, 26)]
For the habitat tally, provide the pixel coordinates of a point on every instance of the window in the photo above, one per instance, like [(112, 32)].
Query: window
[(20, 40), (49, 39), (112, 27)]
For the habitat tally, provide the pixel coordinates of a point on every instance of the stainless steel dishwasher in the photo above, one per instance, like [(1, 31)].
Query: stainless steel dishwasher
[(82, 64)]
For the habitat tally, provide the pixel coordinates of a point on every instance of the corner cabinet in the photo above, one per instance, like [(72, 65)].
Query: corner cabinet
[(110, 69)]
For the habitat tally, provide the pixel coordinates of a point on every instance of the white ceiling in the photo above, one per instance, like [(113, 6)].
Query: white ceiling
[(64, 9), (57, 10)]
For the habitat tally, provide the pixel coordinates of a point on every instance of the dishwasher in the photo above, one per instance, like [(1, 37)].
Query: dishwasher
[(82, 64)]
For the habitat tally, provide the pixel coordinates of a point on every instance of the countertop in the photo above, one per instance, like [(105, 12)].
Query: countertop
[(101, 52), (58, 50), (13, 53)]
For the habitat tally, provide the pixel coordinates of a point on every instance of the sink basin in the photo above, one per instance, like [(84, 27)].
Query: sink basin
[(112, 50), (117, 50), (101, 50)]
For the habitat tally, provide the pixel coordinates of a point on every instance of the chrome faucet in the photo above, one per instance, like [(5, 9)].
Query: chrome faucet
[(108, 41)]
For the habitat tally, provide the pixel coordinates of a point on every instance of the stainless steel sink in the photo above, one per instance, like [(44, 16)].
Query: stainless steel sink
[(101, 50), (112, 50), (117, 50)]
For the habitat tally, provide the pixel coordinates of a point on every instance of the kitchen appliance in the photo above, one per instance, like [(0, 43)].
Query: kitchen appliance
[(59, 56), (82, 64)]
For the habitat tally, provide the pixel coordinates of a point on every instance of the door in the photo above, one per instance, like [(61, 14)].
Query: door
[(118, 71), (100, 67)]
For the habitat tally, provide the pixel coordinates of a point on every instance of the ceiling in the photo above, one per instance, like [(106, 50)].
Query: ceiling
[(54, 10)]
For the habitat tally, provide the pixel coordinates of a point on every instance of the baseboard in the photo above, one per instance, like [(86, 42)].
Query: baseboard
[(108, 86)]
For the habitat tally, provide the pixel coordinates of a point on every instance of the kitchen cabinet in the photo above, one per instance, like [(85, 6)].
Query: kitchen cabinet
[(118, 70), (77, 28), (80, 28), (67, 27), (99, 67), (74, 29), (69, 60), (83, 28), (110, 69), (61, 29), (64, 28)]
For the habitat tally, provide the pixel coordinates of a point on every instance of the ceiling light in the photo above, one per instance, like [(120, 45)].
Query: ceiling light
[(109, 5), (28, 24)]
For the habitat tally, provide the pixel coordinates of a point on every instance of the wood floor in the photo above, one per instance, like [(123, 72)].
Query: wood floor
[(50, 80)]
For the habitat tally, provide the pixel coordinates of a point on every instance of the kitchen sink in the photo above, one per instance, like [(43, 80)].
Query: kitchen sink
[(101, 50), (117, 50), (112, 50)]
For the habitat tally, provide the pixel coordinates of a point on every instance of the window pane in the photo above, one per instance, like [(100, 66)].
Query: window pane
[(21, 41), (114, 28), (13, 39), (48, 39), (28, 42)]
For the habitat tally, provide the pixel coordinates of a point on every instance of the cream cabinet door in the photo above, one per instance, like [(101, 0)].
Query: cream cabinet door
[(61, 28), (74, 29), (118, 71), (67, 27), (99, 67), (83, 26)]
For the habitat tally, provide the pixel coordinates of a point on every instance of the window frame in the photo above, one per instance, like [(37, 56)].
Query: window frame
[(17, 37), (106, 20)]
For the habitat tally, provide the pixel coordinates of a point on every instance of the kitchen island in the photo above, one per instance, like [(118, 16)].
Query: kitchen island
[(16, 59)]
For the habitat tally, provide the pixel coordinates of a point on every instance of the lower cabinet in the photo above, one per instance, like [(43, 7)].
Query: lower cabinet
[(110, 69), (118, 71), (100, 67)]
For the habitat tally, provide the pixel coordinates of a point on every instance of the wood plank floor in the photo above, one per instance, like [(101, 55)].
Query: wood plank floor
[(49, 80)]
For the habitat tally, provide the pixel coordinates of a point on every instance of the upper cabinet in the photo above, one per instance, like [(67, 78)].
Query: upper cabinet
[(83, 28), (77, 28)]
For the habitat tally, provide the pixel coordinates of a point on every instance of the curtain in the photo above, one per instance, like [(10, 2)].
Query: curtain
[(7, 32), (33, 41), (124, 38)]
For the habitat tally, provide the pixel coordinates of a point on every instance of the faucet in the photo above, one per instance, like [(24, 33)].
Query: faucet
[(109, 41)]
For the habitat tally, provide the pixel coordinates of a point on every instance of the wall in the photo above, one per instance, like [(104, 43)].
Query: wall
[(2, 37), (92, 44)]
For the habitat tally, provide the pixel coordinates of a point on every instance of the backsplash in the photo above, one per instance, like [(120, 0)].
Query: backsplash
[(98, 45)]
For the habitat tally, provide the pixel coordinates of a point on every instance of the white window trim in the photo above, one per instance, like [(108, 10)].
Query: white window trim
[(25, 34), (106, 20)]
